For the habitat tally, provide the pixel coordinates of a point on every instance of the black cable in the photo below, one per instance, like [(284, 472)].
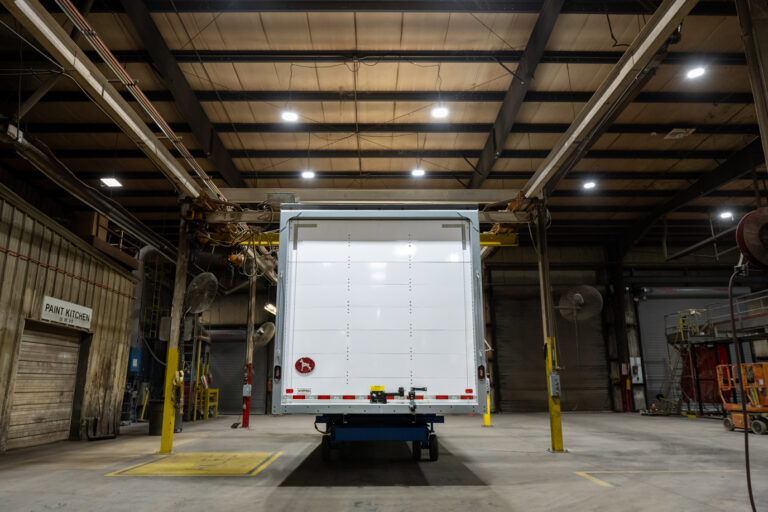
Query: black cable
[(742, 393)]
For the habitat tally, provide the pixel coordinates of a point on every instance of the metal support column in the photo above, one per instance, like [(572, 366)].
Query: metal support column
[(753, 18), (172, 358), (250, 333), (548, 325), (616, 279)]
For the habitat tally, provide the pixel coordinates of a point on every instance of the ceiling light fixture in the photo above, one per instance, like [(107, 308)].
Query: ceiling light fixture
[(418, 173), (440, 112), (695, 72), (726, 215), (307, 175), (271, 308), (111, 182), (289, 116), (589, 185)]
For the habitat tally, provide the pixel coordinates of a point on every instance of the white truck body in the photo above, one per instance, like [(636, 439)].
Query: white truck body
[(379, 297)]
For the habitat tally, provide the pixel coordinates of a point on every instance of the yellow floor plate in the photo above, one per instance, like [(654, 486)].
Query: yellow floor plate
[(203, 464)]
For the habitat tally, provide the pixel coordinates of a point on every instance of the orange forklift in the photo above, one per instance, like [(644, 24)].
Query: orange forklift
[(755, 377)]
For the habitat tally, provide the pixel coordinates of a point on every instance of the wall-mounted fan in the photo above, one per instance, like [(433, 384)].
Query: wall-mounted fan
[(200, 293), (263, 334), (580, 303)]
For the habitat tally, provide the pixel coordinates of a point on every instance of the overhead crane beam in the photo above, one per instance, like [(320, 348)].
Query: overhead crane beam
[(49, 33), (619, 82)]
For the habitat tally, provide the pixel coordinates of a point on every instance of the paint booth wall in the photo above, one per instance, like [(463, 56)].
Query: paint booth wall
[(28, 242)]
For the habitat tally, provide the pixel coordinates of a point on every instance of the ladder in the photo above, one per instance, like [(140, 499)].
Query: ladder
[(680, 365)]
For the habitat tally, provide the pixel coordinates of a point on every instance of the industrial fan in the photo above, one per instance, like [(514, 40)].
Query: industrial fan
[(264, 334), (580, 303), (200, 293)]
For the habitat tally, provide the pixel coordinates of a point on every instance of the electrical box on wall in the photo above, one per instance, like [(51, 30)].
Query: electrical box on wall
[(636, 370)]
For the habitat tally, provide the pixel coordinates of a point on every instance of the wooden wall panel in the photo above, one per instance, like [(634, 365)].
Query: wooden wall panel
[(29, 241)]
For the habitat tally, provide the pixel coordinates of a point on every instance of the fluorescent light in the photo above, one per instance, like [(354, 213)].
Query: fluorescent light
[(111, 182), (418, 173), (290, 116), (695, 72), (726, 215), (440, 112), (589, 185), (271, 308), (307, 175)]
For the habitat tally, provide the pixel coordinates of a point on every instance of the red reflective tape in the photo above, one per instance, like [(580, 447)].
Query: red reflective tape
[(418, 397), (441, 397), (299, 397), (289, 390), (323, 397), (467, 397), (468, 391), (348, 397)]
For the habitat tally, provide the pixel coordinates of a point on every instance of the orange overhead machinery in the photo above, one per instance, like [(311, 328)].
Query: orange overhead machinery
[(755, 377)]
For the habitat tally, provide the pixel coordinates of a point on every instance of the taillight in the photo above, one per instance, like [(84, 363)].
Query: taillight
[(481, 372), (277, 373)]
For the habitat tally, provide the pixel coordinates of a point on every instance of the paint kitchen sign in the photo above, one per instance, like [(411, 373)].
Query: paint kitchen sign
[(67, 313)]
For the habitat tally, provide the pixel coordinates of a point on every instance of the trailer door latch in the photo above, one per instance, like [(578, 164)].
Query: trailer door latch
[(412, 397), (379, 396)]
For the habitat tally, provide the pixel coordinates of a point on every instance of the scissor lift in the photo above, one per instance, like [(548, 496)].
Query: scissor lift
[(755, 379)]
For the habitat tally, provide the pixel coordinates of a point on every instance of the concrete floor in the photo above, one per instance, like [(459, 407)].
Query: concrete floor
[(650, 463)]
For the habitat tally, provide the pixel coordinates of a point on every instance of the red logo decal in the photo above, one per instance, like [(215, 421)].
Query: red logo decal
[(305, 365)]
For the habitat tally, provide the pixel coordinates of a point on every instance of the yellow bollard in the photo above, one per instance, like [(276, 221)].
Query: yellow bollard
[(487, 415)]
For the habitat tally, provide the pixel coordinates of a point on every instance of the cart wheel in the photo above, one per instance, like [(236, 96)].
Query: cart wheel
[(728, 423), (759, 427), (434, 447), (416, 450), (325, 447)]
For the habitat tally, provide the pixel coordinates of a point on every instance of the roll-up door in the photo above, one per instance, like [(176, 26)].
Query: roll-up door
[(41, 406), (521, 382)]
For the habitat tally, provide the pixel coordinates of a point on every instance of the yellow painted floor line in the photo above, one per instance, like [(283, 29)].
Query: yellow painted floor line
[(593, 479), (588, 474)]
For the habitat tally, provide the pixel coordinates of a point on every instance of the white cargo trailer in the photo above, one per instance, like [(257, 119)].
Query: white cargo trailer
[(379, 323)]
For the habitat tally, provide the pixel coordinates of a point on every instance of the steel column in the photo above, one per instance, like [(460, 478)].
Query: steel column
[(753, 17), (548, 328), (172, 358)]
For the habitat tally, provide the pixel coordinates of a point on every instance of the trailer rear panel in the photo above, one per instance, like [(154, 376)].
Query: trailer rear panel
[(379, 299)]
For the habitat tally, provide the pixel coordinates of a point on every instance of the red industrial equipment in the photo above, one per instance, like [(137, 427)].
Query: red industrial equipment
[(755, 379)]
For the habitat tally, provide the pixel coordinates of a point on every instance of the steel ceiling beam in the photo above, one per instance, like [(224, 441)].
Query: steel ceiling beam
[(518, 89), (146, 176), (600, 7), (582, 209), (125, 193), (401, 153), (620, 83), (51, 36), (648, 129), (401, 56), (186, 101), (422, 96), (340, 195), (737, 166)]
